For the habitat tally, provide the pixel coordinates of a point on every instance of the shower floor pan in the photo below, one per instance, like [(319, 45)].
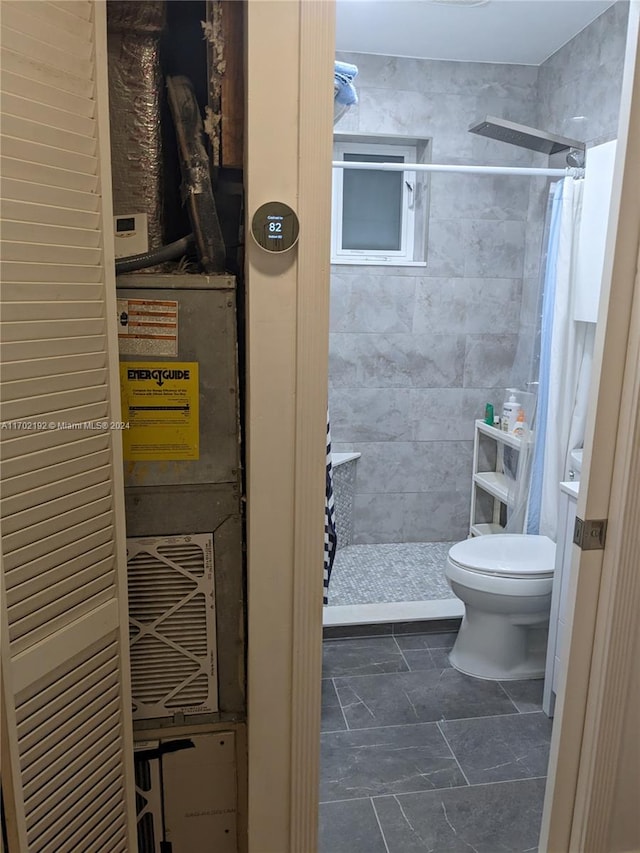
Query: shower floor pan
[(390, 583)]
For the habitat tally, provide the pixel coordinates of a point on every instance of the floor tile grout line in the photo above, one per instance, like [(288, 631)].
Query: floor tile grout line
[(440, 790), (339, 640), (436, 722), (406, 662), (375, 811), (525, 713), (400, 672), (448, 720), (504, 690), (344, 716), (349, 800), (455, 757), (488, 717)]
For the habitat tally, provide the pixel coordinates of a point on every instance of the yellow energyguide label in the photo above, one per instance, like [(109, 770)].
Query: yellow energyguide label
[(160, 401)]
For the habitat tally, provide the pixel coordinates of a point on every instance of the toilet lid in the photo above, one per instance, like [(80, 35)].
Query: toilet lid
[(506, 555)]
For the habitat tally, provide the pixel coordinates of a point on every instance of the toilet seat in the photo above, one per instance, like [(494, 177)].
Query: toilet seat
[(506, 555)]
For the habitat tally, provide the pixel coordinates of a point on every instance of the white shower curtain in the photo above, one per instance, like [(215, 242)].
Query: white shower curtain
[(571, 349)]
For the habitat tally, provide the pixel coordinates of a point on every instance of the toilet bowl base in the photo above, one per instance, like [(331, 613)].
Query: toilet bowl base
[(525, 673), (491, 647)]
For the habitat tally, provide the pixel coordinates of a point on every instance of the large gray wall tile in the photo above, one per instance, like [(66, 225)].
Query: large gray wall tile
[(367, 414), (494, 248), (349, 121), (417, 113), (467, 305), (489, 360), (443, 77), (462, 196), (584, 79), (445, 247), (368, 301), (429, 516), (446, 414), (396, 361), (414, 466)]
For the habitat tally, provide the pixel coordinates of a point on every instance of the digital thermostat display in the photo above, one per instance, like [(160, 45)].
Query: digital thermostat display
[(125, 224), (275, 227)]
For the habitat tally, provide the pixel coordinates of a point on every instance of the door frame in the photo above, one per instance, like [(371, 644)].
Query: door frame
[(590, 708), (289, 137), (289, 53)]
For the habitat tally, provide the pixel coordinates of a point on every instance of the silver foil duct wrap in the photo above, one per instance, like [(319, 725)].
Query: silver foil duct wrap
[(135, 99)]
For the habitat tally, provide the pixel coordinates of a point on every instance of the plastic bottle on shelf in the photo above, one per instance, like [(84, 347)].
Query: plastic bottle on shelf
[(521, 427), (510, 411)]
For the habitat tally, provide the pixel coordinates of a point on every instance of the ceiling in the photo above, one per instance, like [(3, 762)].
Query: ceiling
[(525, 32)]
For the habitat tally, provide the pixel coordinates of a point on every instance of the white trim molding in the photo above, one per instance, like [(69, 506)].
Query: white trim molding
[(615, 643), (592, 705), (289, 52), (317, 42)]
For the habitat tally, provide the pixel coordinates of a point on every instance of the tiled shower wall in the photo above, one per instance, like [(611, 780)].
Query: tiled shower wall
[(579, 97), (584, 79), (416, 352)]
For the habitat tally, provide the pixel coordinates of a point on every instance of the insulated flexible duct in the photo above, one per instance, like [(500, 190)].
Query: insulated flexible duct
[(157, 256), (135, 98), (197, 192)]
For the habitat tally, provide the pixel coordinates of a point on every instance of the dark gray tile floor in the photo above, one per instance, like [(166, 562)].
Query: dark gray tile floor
[(418, 758)]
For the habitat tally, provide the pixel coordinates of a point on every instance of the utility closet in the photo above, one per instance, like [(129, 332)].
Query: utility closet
[(176, 117)]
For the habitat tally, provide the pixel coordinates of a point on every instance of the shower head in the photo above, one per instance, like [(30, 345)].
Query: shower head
[(576, 158), (523, 136)]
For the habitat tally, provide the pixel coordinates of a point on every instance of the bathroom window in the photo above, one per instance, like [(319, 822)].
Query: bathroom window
[(374, 211)]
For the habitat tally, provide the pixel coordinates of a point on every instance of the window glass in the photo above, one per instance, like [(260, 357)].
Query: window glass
[(372, 205)]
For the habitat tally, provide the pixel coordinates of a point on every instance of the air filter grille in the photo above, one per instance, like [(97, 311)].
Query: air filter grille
[(172, 625), (148, 801)]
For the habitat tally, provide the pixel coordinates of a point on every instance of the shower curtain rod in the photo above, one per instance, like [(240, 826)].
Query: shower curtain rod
[(473, 170)]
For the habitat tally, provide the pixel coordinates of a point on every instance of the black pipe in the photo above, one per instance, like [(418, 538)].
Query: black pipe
[(155, 256)]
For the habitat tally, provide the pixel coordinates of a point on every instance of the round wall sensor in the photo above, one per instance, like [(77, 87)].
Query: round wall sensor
[(275, 227)]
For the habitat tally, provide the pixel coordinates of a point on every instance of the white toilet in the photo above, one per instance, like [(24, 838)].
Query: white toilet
[(505, 582)]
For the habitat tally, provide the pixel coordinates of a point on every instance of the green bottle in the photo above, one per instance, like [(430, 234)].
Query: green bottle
[(488, 414)]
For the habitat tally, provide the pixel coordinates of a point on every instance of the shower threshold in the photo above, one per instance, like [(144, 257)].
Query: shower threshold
[(392, 611)]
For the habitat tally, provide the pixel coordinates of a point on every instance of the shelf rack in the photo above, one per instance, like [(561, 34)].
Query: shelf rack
[(493, 482)]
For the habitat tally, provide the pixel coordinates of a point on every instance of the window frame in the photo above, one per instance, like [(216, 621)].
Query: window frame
[(405, 255)]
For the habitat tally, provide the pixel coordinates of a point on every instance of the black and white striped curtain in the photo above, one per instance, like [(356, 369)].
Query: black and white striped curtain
[(330, 537)]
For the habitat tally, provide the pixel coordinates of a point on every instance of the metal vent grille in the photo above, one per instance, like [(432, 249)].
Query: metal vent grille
[(172, 625), (70, 742)]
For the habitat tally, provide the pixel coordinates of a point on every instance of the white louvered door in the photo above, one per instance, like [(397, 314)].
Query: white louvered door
[(67, 743)]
